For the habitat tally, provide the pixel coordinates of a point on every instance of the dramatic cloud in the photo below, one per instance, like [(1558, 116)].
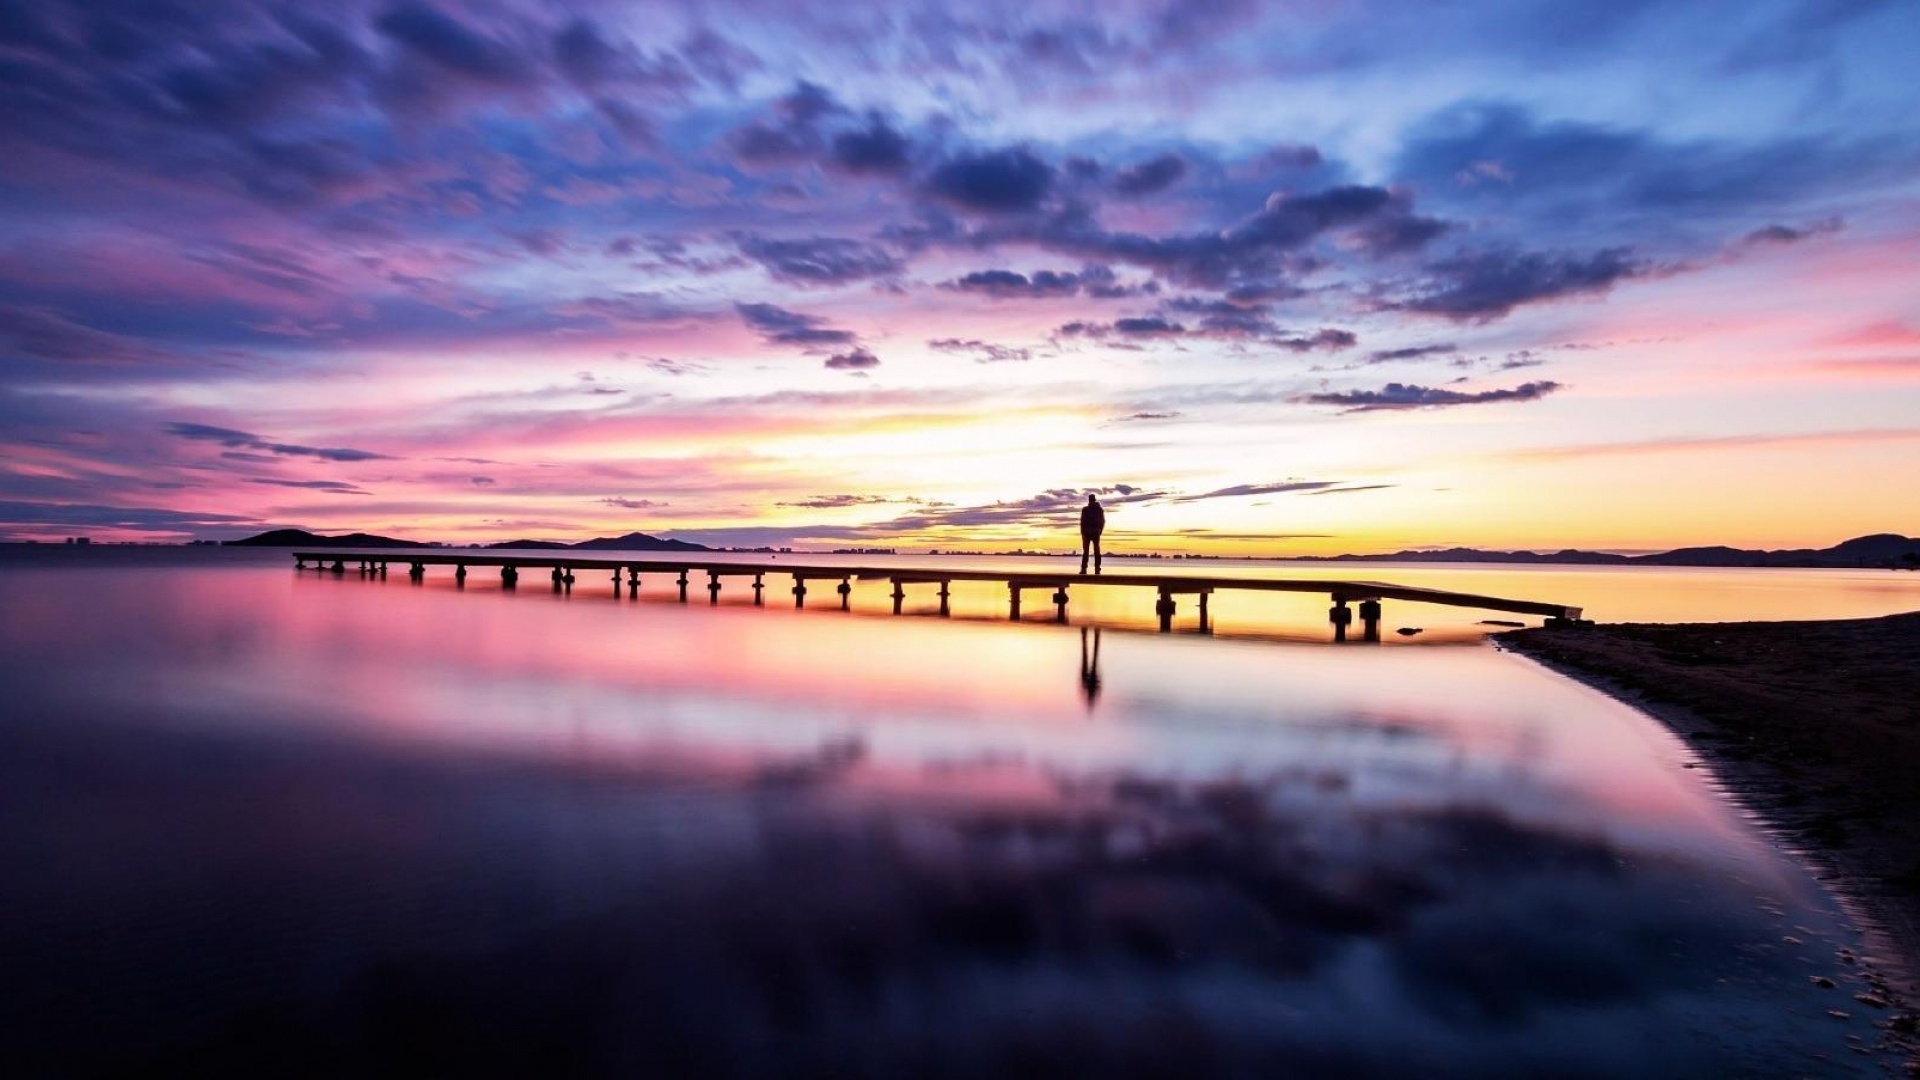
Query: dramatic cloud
[(1489, 285), (1219, 321), (876, 149), (1150, 177), (996, 181), (1407, 396), (391, 223), (1006, 284), (241, 440), (778, 326), (820, 260)]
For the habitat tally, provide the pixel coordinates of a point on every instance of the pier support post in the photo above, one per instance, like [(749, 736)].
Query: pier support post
[(1206, 622), (616, 583), (757, 586), (556, 579), (299, 563), (633, 583), (713, 588), (1370, 620), (460, 575), (682, 582), (509, 577), (418, 572), (845, 590), (1060, 604), (383, 569), (1339, 616), (799, 591), (943, 598), (899, 595), (1165, 609), (339, 566), (1013, 601)]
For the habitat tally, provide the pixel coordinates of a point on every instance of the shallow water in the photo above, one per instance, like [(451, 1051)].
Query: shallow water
[(300, 823)]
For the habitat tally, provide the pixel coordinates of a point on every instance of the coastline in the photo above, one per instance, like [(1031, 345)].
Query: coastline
[(1814, 726)]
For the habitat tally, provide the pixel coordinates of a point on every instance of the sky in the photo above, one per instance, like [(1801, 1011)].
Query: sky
[(1270, 279)]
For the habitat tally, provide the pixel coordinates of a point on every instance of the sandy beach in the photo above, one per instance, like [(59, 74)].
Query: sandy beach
[(1814, 725)]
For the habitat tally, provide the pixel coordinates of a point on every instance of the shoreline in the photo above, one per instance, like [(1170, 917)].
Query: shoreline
[(1812, 726)]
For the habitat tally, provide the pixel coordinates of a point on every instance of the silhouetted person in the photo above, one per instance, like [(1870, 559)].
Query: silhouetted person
[(1093, 522), (1090, 666)]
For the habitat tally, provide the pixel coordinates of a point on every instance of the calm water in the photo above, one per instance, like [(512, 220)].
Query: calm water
[(276, 823)]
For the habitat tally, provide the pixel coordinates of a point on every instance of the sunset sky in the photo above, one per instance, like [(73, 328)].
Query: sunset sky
[(1275, 278)]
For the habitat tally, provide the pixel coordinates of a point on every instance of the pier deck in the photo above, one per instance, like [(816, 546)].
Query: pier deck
[(563, 566)]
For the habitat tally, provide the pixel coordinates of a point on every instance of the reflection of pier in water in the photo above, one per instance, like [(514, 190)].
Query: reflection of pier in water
[(1365, 595)]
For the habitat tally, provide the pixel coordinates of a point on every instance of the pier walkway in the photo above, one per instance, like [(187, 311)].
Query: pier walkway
[(564, 565)]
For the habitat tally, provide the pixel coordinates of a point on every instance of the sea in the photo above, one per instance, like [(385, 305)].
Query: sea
[(264, 821)]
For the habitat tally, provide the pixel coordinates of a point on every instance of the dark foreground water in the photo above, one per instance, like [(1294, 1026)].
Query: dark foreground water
[(253, 822)]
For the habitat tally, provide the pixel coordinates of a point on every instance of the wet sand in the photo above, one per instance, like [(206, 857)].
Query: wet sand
[(1814, 725)]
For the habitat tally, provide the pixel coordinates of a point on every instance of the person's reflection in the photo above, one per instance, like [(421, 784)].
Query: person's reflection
[(1090, 666)]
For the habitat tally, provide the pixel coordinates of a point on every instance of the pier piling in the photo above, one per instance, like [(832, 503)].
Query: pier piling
[(1370, 620)]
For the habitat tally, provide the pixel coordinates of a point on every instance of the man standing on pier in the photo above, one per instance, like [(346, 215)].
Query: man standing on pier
[(1093, 522)]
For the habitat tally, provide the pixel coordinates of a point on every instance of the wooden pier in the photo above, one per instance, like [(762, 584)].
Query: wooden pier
[(1365, 596)]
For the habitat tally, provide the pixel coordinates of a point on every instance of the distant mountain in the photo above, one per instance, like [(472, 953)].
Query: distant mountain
[(303, 538), (1880, 549), (1459, 554), (544, 545), (636, 541)]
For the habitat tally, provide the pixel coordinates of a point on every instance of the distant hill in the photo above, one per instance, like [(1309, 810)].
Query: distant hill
[(1880, 549), (636, 541), (303, 538)]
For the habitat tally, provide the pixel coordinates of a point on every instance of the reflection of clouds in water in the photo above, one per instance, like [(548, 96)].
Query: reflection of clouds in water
[(1129, 925)]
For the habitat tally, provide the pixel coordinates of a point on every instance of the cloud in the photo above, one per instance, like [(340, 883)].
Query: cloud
[(1007, 284), (482, 481), (820, 260), (1413, 352), (1150, 177), (1488, 285), (1050, 508), (1219, 320), (1407, 396), (1259, 254), (836, 502), (983, 352), (779, 326), (852, 360), (633, 504), (1010, 180), (1282, 487), (876, 149), (239, 440), (1786, 234), (1688, 444), (331, 487), (451, 44)]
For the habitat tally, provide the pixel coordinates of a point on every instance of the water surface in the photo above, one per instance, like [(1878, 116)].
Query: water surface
[(260, 821)]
